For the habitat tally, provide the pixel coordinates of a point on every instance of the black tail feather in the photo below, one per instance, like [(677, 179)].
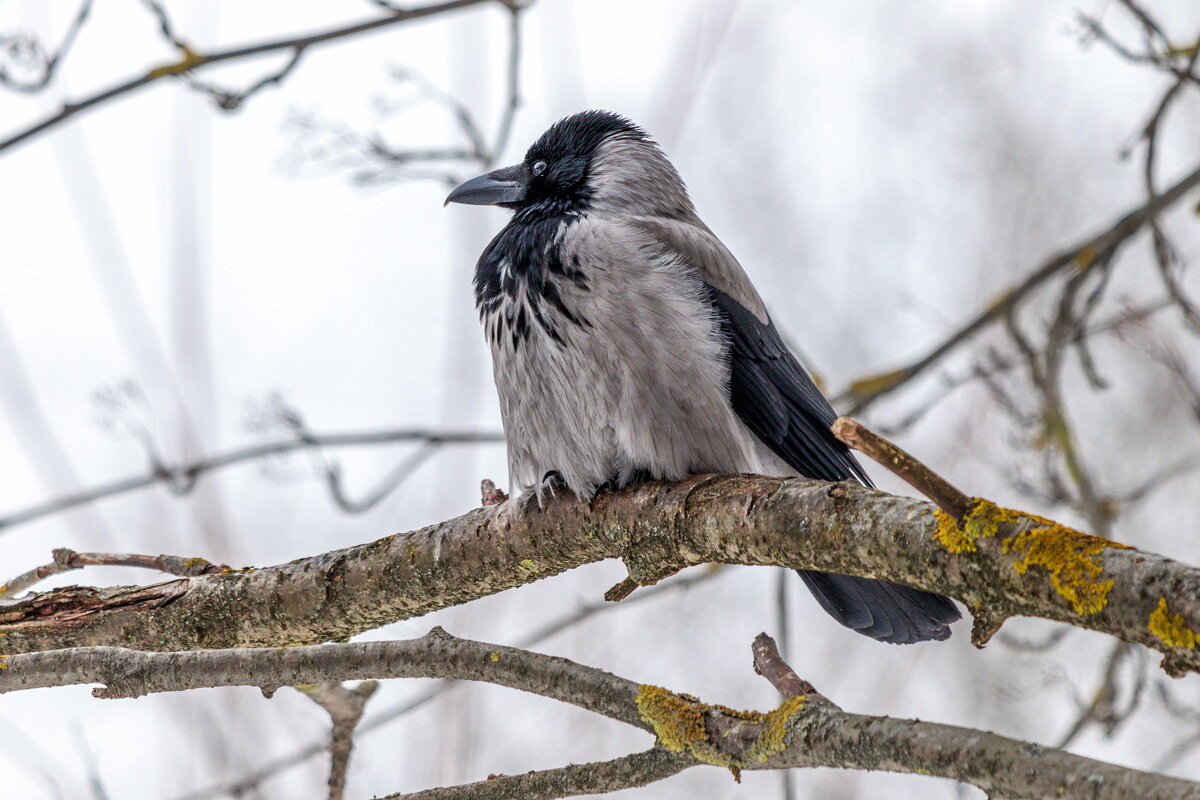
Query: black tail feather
[(887, 612)]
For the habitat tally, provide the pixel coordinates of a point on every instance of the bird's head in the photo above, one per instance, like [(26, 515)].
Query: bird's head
[(590, 161)]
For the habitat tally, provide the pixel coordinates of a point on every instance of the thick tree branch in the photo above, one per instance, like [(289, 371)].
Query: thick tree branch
[(806, 730), (998, 561)]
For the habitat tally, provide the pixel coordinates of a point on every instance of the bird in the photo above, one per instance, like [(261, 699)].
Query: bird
[(629, 344)]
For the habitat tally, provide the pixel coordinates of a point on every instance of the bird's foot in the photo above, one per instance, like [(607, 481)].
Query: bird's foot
[(551, 485)]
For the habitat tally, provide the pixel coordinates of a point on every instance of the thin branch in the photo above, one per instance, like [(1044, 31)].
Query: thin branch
[(192, 61), (995, 363), (863, 393), (514, 87), (331, 471), (373, 159), (1034, 645), (66, 560), (770, 664), (182, 478), (165, 25), (854, 434), (232, 99)]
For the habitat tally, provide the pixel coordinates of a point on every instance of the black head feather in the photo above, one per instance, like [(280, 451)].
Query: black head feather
[(566, 151), (580, 134)]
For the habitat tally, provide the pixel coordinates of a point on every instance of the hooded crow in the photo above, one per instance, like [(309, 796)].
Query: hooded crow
[(628, 344)]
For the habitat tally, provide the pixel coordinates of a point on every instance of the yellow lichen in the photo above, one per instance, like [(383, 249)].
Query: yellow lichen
[(982, 522), (494, 656), (776, 729), (3, 662), (679, 723), (677, 719), (952, 537), (1072, 560), (529, 565), (1172, 629), (1071, 557)]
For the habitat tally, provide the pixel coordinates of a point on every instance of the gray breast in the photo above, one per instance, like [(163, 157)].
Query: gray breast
[(611, 366)]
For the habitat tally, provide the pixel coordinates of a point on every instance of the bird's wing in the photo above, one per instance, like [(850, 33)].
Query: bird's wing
[(778, 401), (770, 391)]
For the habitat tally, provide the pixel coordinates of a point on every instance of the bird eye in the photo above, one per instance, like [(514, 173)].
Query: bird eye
[(539, 167)]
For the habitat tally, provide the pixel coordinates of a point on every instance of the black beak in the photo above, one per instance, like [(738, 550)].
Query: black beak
[(497, 188)]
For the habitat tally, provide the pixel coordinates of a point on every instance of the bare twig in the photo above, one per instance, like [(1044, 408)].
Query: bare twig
[(854, 434), (769, 664), (1103, 709), (994, 363), (1034, 645), (331, 471), (232, 99), (66, 560)]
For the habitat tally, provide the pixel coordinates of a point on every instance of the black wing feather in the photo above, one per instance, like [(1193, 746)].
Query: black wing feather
[(778, 401), (775, 397)]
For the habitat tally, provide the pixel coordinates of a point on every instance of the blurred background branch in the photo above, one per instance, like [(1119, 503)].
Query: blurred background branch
[(28, 52)]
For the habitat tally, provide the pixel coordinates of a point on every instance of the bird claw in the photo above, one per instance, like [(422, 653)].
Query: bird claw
[(552, 483)]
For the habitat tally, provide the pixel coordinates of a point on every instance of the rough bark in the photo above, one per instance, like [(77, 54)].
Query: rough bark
[(998, 562), (806, 730)]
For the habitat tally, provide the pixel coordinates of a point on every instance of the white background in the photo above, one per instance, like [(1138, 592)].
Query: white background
[(882, 170)]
